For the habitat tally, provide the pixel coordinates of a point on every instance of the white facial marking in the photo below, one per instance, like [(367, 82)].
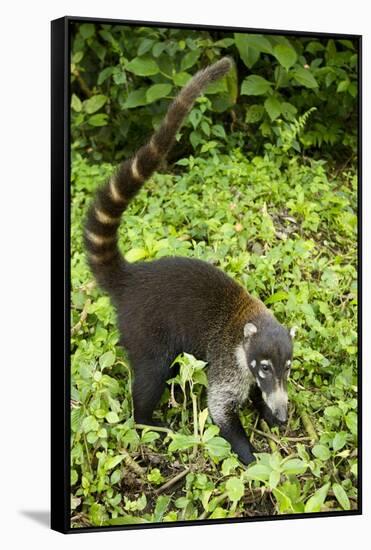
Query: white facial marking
[(253, 364), (277, 402), (262, 374), (267, 362), (288, 363)]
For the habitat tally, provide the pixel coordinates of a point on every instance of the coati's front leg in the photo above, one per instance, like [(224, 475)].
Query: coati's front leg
[(148, 386), (223, 409)]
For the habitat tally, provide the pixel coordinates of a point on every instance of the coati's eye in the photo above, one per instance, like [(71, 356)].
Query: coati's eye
[(264, 368)]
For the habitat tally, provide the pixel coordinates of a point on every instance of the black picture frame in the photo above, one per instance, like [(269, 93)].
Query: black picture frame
[(60, 272)]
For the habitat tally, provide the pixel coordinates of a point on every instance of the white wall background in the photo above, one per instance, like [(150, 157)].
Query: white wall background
[(24, 218)]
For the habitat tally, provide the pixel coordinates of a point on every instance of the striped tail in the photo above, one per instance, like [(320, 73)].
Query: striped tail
[(111, 200)]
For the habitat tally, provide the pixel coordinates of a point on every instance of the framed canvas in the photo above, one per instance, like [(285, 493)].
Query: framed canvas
[(205, 274)]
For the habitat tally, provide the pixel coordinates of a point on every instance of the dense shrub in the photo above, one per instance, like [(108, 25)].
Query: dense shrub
[(124, 77)]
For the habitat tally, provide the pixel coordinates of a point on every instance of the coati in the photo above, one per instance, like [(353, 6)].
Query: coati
[(174, 304)]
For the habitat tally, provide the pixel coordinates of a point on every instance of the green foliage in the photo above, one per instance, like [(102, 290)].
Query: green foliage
[(285, 228), (123, 79)]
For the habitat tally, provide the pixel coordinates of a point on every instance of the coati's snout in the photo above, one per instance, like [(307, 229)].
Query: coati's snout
[(275, 407)]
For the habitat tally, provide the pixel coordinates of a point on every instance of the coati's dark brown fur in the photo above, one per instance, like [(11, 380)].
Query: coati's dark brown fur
[(174, 305)]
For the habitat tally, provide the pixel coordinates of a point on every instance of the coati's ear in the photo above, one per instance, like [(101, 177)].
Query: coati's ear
[(293, 331), (249, 330)]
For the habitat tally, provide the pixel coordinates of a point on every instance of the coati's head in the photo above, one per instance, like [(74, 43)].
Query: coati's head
[(268, 348)]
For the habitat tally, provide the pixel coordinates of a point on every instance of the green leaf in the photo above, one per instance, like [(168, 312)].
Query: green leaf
[(74, 477), (162, 504), (341, 496), (254, 113), (273, 107), (135, 254), (285, 55), (315, 502), (202, 416), (112, 417), (90, 424), (218, 447), (229, 464), (149, 437), (112, 461), (333, 412), (339, 441), (277, 297), (106, 73), (294, 466), (321, 451), (143, 66), (100, 119), (181, 442), (94, 103), (351, 422), (257, 41), (255, 85), (259, 472), (189, 59), (235, 489), (145, 45), (107, 359), (87, 30), (76, 104), (136, 98), (158, 91), (343, 86), (181, 79), (248, 54), (274, 479), (305, 77)]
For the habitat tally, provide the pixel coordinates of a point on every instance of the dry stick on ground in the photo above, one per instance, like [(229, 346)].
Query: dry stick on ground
[(153, 428), (272, 441), (309, 428), (268, 435), (83, 316), (172, 481), (254, 429), (130, 463)]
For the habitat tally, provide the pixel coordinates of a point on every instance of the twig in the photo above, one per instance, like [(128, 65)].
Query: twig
[(295, 439), (309, 428), (153, 428), (273, 441), (172, 481), (87, 453), (83, 317), (254, 428), (288, 421), (195, 423), (173, 402), (264, 434), (130, 463), (83, 85)]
